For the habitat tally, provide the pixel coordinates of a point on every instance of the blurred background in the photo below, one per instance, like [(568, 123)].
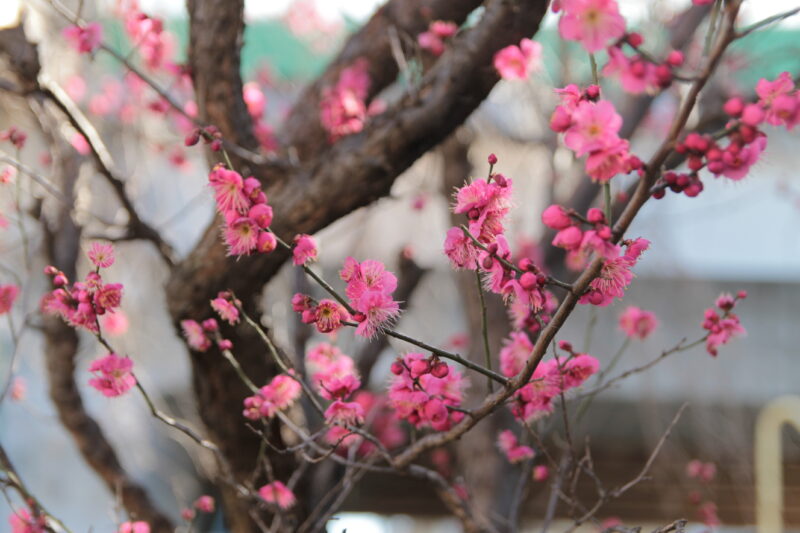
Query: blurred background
[(733, 236)]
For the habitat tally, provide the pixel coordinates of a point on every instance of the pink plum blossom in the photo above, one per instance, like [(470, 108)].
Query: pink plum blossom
[(113, 376), (86, 39), (518, 62), (8, 295), (591, 22), (513, 451), (305, 250), (278, 494), (637, 323)]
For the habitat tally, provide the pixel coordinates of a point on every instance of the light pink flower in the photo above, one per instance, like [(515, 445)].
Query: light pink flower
[(513, 451), (518, 62), (515, 353), (636, 75), (19, 388), (591, 22), (241, 236), (594, 127), (115, 323), (8, 295), (615, 276), (195, 336), (225, 309), (344, 413), (101, 254), (605, 163), (305, 250), (86, 39), (278, 494), (113, 376), (21, 521), (134, 527), (460, 249), (637, 323), (328, 316)]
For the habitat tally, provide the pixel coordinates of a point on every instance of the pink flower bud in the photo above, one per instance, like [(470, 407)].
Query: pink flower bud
[(741, 295), (440, 370), (556, 217), (753, 115), (569, 238), (734, 106), (565, 345), (216, 145), (500, 180), (419, 367), (541, 473), (492, 159), (528, 281), (210, 324), (397, 368), (262, 214), (593, 92), (635, 39), (225, 344), (266, 242), (675, 58), (595, 216)]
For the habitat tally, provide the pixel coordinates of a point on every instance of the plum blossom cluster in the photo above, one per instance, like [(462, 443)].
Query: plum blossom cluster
[(327, 315), (721, 323), (199, 335), (485, 248), (550, 379), (704, 473), (134, 527), (512, 449), (343, 108), (518, 62), (369, 290), (638, 73), (278, 395), (592, 23), (85, 39), (615, 275), (380, 421), (778, 105), (113, 375), (82, 303), (335, 378), (637, 323), (246, 213), (591, 127), (434, 38), (424, 391), (204, 504), (578, 243), (155, 45)]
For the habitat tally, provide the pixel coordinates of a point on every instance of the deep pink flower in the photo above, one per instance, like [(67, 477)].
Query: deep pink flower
[(369, 275), (329, 315), (305, 250), (379, 309), (556, 217), (594, 127), (721, 329), (615, 276), (541, 473), (113, 375), (229, 191), (335, 384), (343, 109), (101, 254), (637, 323), (737, 163), (241, 236), (511, 448), (204, 504), (518, 62), (591, 22), (8, 295), (278, 494), (85, 39)]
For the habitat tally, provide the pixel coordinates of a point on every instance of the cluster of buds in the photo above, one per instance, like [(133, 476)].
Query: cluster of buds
[(327, 315), (209, 134), (81, 304), (571, 236), (419, 367), (724, 326), (641, 73)]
